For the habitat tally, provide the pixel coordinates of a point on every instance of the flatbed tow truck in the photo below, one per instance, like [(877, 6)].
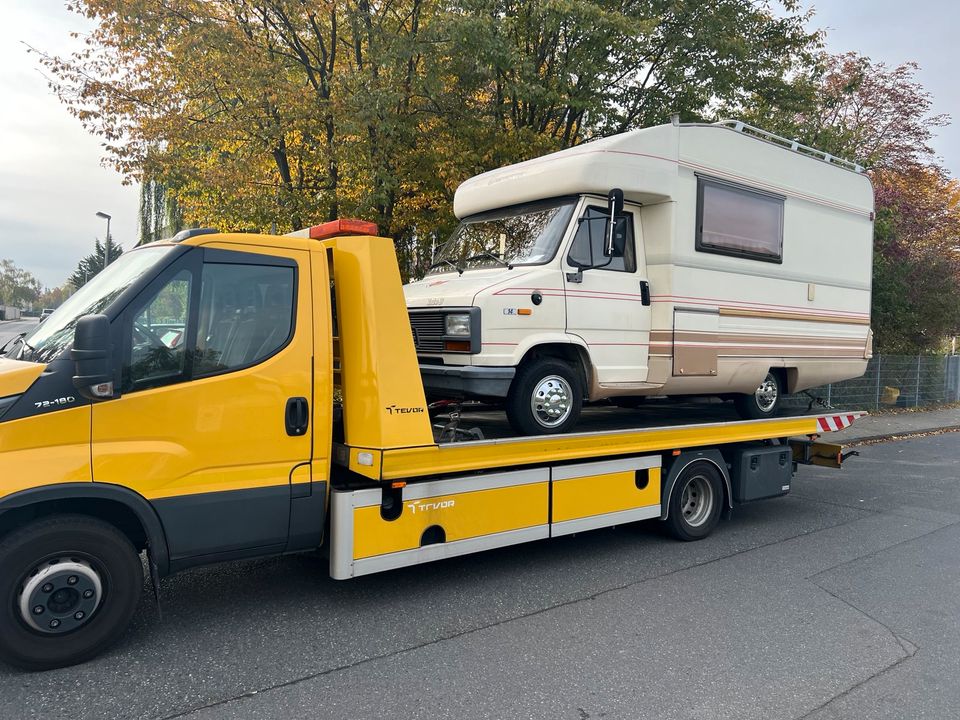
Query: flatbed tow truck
[(223, 396)]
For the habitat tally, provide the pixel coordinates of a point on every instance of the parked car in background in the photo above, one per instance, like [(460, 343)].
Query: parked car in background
[(47, 312)]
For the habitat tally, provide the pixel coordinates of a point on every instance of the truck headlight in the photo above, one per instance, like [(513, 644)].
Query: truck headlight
[(458, 324)]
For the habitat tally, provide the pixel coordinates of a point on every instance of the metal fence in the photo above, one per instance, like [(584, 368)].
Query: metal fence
[(893, 381)]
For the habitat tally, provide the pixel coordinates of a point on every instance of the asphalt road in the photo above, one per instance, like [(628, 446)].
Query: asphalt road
[(838, 601), (9, 329)]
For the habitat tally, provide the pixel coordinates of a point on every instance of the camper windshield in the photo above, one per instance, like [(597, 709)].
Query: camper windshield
[(521, 235)]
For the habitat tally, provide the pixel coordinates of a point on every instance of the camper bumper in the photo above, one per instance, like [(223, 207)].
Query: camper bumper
[(467, 381)]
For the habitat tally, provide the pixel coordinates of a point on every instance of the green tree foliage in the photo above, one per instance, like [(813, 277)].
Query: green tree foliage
[(18, 287), (160, 214), (94, 263)]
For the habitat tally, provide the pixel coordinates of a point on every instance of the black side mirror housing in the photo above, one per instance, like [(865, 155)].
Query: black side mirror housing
[(91, 354)]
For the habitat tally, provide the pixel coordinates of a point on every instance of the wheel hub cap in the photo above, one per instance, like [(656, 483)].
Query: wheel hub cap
[(696, 501), (552, 401), (767, 394), (60, 595)]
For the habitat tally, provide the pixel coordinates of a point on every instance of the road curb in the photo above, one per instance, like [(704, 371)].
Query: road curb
[(906, 434)]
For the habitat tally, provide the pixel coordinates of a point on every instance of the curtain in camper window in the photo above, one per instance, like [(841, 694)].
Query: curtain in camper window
[(732, 220)]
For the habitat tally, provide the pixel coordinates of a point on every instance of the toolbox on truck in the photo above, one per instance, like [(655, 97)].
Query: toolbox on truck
[(760, 471)]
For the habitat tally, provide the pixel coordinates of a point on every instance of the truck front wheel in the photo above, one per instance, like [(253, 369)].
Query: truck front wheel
[(545, 398), (69, 585)]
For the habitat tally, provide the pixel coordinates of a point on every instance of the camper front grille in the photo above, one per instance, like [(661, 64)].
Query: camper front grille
[(428, 330)]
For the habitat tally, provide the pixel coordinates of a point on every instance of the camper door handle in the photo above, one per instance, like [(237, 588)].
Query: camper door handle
[(644, 292), (297, 416)]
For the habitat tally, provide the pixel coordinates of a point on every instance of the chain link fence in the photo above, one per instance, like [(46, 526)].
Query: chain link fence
[(893, 381)]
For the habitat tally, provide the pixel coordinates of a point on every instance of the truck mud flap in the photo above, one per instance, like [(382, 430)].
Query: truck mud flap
[(436, 520)]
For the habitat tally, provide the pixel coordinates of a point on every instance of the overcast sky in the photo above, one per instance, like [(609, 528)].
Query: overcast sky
[(52, 182)]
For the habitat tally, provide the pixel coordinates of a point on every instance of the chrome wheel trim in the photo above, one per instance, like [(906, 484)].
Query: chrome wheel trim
[(551, 401), (767, 394)]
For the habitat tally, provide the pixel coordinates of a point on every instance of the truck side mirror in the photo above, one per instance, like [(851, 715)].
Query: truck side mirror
[(93, 374), (614, 211)]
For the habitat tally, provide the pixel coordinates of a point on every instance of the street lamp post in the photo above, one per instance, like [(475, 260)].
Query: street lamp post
[(106, 246)]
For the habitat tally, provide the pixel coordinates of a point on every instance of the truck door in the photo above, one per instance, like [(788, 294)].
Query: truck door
[(215, 399), (606, 308)]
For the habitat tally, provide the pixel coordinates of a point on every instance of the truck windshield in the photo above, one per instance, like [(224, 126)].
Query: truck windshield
[(56, 333), (519, 235)]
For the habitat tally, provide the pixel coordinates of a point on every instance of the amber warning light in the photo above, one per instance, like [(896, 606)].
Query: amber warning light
[(343, 226)]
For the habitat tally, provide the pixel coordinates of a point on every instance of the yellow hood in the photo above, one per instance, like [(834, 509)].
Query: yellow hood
[(16, 376)]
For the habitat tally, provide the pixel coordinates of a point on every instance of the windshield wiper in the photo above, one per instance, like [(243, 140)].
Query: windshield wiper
[(20, 336), (495, 258), (451, 263)]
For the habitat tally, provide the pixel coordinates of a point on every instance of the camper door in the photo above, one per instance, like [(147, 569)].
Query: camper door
[(604, 301)]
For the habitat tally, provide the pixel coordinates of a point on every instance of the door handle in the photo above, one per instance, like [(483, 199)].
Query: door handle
[(644, 292), (297, 416)]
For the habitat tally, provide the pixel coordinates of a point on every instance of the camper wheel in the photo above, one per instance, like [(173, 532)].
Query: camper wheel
[(764, 401), (545, 397)]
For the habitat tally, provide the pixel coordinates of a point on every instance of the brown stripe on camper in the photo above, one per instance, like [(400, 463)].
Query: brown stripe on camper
[(662, 343), (804, 317)]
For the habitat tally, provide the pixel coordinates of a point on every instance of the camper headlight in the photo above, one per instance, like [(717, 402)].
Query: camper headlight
[(458, 324)]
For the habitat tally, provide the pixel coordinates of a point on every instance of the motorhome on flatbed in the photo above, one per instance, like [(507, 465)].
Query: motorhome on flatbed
[(739, 265)]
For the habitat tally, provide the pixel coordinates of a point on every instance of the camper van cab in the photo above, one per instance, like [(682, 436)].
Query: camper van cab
[(738, 264)]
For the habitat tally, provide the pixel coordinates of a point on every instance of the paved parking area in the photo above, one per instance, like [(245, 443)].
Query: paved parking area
[(838, 601)]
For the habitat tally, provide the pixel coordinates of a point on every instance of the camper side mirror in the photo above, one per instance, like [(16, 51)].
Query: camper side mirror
[(614, 211), (618, 232), (91, 354)]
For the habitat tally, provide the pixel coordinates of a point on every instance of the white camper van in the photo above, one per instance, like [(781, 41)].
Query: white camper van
[(738, 264)]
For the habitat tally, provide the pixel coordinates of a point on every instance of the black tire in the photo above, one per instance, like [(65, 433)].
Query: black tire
[(765, 401), (57, 542), (559, 380), (696, 501)]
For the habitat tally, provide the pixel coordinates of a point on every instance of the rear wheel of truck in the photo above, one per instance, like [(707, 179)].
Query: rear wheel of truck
[(764, 402), (69, 585), (695, 502), (545, 398)]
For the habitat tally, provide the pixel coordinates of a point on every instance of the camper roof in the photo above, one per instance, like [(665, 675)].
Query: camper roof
[(646, 164)]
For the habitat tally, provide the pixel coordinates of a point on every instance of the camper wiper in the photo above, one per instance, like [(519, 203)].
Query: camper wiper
[(451, 263), (495, 258)]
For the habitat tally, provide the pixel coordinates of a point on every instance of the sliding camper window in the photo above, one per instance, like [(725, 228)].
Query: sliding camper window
[(734, 220)]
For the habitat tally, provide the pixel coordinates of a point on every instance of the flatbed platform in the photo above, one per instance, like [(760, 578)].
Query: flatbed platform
[(615, 432), (492, 422)]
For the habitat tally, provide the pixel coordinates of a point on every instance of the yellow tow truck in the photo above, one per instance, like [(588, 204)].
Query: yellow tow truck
[(222, 396)]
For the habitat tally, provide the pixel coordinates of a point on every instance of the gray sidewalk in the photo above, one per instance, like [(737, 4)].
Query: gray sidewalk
[(897, 423)]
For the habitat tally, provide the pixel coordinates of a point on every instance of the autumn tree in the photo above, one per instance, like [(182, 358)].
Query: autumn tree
[(279, 113), (18, 287), (858, 109)]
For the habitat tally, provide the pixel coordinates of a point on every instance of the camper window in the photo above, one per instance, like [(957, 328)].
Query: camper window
[(586, 250), (734, 220)]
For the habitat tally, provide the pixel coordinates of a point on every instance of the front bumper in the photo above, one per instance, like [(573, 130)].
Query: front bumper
[(467, 380)]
